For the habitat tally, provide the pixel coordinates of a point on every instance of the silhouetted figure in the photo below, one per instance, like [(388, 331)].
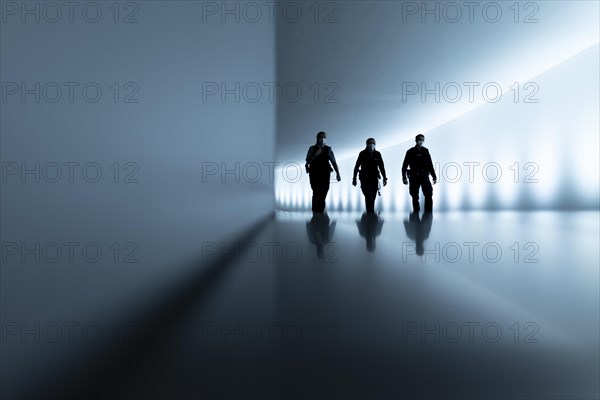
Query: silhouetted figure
[(369, 227), (419, 161), (370, 163), (418, 229), (317, 166), (320, 232)]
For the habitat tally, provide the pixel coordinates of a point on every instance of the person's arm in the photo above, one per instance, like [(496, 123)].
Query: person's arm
[(333, 162), (308, 159), (356, 166), (311, 155), (405, 165), (430, 166), (382, 167)]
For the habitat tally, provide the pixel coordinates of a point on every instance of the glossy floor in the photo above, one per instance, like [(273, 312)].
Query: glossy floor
[(499, 305)]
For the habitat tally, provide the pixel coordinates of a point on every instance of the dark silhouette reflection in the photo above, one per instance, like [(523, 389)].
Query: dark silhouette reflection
[(418, 229), (320, 231), (369, 227)]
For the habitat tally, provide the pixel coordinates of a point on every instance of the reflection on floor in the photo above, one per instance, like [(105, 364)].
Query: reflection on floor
[(454, 305)]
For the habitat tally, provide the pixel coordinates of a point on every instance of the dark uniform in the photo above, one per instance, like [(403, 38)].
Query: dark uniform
[(319, 174), (419, 161), (371, 164)]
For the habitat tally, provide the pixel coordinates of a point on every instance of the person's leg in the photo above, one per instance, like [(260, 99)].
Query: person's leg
[(315, 189), (374, 186), (428, 193), (413, 189), (365, 187), (319, 192), (325, 190)]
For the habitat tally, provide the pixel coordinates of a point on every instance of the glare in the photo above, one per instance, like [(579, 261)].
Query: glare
[(453, 194), (534, 169)]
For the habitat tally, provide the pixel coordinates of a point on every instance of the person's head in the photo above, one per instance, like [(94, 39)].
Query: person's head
[(371, 144), (419, 139), (321, 138)]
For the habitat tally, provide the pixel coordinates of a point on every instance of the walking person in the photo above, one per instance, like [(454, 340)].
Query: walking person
[(372, 168), (419, 161), (318, 167)]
